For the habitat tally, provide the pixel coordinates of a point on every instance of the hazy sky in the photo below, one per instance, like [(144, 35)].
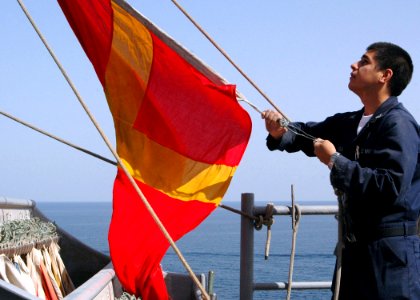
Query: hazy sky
[(298, 52)]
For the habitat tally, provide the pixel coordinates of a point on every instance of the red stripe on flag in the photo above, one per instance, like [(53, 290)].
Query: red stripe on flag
[(189, 113), (95, 37), (136, 243)]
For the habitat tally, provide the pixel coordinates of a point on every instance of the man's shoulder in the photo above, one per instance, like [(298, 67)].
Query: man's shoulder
[(399, 119), (402, 114)]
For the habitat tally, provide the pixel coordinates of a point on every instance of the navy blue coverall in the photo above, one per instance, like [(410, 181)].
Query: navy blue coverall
[(379, 173)]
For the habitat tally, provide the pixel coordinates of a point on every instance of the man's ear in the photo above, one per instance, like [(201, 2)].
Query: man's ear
[(386, 76)]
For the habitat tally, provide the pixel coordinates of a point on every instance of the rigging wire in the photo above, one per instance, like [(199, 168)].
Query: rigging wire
[(72, 145), (283, 122), (298, 131), (292, 128), (223, 52), (115, 154), (240, 212), (58, 138)]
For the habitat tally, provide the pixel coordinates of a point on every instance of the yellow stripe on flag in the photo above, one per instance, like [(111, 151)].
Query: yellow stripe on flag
[(184, 179), (128, 69)]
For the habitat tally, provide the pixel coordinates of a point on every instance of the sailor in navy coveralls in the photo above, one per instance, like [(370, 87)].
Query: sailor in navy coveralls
[(374, 157)]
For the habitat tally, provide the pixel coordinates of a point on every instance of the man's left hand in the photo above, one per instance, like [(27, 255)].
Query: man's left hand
[(323, 149)]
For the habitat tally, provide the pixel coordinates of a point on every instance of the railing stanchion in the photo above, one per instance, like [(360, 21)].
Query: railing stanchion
[(247, 248)]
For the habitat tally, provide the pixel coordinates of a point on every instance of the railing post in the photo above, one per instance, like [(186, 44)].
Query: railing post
[(247, 248)]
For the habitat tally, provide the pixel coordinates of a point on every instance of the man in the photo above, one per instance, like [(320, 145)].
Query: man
[(374, 159)]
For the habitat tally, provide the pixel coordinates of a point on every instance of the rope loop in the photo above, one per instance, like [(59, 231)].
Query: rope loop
[(258, 224), (296, 214), (267, 219)]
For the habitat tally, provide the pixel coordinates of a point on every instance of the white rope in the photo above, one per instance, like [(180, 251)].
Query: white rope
[(295, 225), (251, 104), (115, 154), (339, 249)]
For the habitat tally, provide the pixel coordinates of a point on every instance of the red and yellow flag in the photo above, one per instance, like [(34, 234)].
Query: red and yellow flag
[(179, 130)]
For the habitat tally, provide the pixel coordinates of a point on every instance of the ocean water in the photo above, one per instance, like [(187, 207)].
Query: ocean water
[(215, 246)]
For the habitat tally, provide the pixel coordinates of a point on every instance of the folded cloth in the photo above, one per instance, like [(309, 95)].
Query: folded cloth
[(48, 266), (18, 274), (35, 274)]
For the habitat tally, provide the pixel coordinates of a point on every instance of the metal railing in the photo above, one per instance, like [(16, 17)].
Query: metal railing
[(247, 284)]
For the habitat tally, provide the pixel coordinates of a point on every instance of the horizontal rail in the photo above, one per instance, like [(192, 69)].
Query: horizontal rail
[(296, 285), (13, 203), (96, 285), (304, 209), (247, 284)]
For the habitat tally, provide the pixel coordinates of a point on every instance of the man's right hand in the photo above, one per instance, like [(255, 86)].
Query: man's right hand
[(272, 123)]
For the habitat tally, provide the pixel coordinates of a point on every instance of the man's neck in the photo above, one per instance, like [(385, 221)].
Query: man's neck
[(373, 102)]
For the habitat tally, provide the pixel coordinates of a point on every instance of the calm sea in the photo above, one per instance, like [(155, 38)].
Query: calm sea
[(214, 246)]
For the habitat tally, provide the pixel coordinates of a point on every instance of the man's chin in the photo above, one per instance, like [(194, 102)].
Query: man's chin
[(352, 87)]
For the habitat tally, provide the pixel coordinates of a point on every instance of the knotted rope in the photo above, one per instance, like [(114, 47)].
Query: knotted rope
[(340, 244), (269, 221), (295, 213)]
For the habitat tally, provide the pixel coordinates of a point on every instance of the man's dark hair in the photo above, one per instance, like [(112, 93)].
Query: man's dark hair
[(390, 56)]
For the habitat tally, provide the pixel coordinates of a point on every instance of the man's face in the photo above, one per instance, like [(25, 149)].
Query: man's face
[(364, 74)]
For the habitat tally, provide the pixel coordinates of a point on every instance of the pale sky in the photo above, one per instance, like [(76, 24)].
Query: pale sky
[(298, 52)]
